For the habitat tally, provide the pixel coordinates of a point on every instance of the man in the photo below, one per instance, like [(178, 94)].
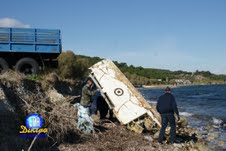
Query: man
[(167, 106), (87, 94), (103, 108), (86, 101)]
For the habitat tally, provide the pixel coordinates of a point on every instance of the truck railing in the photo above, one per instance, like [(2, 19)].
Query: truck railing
[(30, 40)]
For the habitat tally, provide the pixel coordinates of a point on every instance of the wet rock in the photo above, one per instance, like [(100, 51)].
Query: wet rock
[(209, 127), (221, 143), (224, 126), (204, 133), (212, 136), (202, 146), (183, 123)]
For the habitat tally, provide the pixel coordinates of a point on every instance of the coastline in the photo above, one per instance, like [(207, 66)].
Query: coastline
[(157, 86), (172, 86), (210, 127)]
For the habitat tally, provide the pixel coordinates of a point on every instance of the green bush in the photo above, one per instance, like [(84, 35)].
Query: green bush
[(72, 66)]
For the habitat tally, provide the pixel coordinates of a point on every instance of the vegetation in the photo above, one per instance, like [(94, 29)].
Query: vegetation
[(76, 66), (72, 66)]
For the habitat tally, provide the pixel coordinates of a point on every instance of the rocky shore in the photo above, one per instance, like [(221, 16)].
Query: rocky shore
[(53, 98)]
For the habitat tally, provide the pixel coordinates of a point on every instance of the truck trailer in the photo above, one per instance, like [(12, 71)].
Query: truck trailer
[(28, 50)]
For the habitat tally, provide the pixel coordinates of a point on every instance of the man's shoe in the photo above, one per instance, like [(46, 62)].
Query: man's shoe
[(160, 143), (175, 142)]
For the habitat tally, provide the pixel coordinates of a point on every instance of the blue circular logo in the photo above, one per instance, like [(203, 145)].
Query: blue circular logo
[(34, 121)]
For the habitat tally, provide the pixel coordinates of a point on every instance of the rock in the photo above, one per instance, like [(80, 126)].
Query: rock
[(177, 145), (167, 132), (149, 138), (199, 137), (209, 127), (55, 96), (193, 149), (183, 123), (156, 135), (221, 143), (176, 149), (191, 143), (212, 136), (202, 147), (204, 133)]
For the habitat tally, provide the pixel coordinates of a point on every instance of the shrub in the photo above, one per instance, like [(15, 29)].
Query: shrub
[(72, 66)]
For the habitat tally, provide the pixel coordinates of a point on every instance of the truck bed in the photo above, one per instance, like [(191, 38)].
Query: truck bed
[(30, 40)]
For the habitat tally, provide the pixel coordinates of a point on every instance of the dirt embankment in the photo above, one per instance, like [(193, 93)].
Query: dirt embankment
[(53, 98)]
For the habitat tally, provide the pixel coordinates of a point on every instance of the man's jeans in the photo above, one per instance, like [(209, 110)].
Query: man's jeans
[(93, 107), (168, 118)]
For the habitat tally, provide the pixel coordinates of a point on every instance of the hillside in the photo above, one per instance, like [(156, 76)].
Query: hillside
[(140, 75)]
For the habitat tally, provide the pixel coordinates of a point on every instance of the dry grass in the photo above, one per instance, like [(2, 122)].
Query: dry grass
[(27, 96), (11, 76)]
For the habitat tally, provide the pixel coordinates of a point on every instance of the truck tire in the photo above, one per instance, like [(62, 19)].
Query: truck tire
[(27, 66), (3, 65)]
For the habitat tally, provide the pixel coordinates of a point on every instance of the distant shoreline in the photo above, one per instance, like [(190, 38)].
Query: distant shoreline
[(157, 86), (172, 86)]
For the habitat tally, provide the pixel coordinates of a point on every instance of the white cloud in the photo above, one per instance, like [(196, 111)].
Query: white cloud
[(11, 22)]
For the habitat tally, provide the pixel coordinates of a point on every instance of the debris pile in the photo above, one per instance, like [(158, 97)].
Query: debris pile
[(21, 97)]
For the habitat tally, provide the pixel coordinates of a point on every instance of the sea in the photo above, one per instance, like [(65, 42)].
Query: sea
[(203, 106)]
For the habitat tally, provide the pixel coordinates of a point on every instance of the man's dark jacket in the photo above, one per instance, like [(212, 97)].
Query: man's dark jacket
[(167, 104)]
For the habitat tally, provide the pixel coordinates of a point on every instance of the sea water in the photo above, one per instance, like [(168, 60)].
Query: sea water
[(203, 106)]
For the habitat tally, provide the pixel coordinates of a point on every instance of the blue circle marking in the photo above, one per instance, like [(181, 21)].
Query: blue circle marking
[(34, 121)]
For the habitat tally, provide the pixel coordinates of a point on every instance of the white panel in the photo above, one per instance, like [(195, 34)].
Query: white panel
[(128, 103)]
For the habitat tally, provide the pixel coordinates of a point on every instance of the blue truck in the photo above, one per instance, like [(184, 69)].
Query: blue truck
[(29, 50)]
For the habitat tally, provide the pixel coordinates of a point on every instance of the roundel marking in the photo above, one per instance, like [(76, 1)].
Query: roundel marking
[(119, 92)]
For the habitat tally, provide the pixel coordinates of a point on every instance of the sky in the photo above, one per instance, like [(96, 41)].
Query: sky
[(184, 35)]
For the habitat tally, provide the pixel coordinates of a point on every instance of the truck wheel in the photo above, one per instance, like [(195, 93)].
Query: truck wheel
[(27, 66), (3, 65)]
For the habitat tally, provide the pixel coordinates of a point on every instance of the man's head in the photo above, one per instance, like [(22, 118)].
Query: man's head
[(89, 82), (167, 90)]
